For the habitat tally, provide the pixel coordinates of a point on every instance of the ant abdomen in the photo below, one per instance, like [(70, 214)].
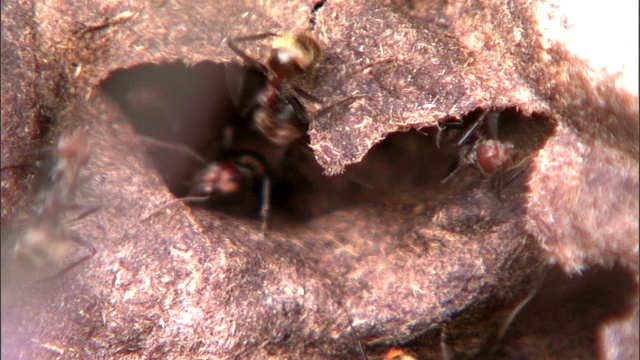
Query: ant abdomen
[(293, 54), (480, 148), (493, 156), (283, 122)]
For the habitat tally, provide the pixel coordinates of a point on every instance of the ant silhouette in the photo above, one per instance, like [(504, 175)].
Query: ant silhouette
[(47, 241), (480, 148), (262, 91)]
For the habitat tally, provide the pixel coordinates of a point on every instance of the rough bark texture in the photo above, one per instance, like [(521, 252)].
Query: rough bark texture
[(381, 252)]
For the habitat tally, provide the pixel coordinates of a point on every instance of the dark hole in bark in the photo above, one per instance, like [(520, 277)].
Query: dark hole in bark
[(316, 7), (191, 106)]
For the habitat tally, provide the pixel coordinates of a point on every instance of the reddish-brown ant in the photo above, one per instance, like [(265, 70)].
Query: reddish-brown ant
[(262, 91), (481, 149), (240, 172), (46, 242), (234, 174)]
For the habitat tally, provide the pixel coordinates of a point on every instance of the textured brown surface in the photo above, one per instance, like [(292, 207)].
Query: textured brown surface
[(384, 247)]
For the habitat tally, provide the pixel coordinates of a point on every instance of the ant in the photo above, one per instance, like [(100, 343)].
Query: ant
[(241, 171), (263, 92), (484, 152), (47, 241), (235, 173)]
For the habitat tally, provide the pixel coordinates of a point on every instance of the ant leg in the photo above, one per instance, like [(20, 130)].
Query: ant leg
[(255, 37), (363, 355), (78, 240), (472, 129), (162, 207), (307, 96), (463, 160), (512, 315), (10, 164), (81, 241), (439, 136), (453, 173), (492, 124), (227, 137), (85, 213), (502, 184), (498, 184), (442, 128), (342, 102), (265, 208), (246, 57), (520, 169), (447, 353)]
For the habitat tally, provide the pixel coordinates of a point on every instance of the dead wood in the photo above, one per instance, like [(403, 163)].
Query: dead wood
[(381, 252)]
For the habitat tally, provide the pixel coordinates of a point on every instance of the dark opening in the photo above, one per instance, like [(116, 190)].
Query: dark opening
[(176, 104), (316, 7)]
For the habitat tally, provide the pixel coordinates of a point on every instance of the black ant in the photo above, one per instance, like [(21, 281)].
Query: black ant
[(484, 152), (263, 92), (46, 242)]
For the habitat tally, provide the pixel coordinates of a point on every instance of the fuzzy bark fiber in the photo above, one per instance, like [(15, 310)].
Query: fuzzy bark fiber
[(401, 261)]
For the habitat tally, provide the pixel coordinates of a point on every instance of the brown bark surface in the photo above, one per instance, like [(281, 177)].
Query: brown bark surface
[(379, 253)]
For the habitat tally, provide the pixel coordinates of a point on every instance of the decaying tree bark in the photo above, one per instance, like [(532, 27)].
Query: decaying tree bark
[(367, 246)]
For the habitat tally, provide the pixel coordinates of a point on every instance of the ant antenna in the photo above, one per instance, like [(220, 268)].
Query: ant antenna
[(347, 101), (248, 59), (472, 129), (172, 146)]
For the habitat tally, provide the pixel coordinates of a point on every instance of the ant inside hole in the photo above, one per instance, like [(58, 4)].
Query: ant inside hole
[(481, 148)]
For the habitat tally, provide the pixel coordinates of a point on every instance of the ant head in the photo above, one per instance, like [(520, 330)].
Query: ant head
[(219, 178), (293, 54), (493, 155), (74, 147)]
